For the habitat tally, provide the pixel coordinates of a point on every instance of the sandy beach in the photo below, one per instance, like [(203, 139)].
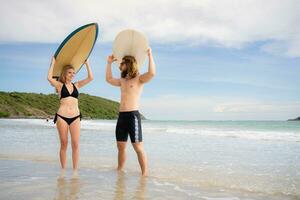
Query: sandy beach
[(208, 160)]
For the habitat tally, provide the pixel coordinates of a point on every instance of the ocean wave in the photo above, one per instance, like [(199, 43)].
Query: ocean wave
[(242, 134), (250, 133)]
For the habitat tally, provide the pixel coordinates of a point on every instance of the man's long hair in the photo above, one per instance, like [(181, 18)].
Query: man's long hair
[(132, 69)]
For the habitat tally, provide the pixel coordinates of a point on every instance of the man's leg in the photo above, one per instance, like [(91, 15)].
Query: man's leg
[(142, 157), (121, 155)]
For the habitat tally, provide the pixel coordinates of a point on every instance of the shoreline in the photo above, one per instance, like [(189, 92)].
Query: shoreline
[(155, 120), (45, 118), (26, 179)]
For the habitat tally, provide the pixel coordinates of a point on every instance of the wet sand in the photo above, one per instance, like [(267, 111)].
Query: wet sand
[(22, 179)]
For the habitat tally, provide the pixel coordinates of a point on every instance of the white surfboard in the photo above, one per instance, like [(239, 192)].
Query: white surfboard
[(75, 48), (130, 42)]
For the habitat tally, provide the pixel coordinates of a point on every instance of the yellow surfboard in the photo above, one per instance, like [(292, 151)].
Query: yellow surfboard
[(75, 48), (130, 42)]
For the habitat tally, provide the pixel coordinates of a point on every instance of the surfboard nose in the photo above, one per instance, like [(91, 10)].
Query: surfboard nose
[(75, 48)]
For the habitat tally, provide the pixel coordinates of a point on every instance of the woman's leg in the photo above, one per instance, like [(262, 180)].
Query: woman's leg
[(75, 134), (62, 128)]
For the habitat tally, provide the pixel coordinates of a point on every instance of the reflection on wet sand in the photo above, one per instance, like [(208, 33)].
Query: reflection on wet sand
[(120, 188), (67, 189), (141, 189)]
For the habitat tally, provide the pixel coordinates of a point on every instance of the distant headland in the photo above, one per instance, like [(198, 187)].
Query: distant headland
[(296, 119)]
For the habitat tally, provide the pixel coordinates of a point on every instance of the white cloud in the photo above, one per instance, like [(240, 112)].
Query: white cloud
[(227, 23), (216, 108)]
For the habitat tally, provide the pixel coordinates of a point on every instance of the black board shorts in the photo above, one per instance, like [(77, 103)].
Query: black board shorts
[(129, 123)]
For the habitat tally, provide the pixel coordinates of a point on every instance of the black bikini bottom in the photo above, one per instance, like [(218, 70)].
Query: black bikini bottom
[(66, 119)]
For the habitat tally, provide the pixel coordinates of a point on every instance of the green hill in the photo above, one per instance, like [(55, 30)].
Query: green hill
[(33, 105)]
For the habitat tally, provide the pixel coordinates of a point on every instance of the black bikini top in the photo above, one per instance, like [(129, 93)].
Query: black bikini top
[(65, 93)]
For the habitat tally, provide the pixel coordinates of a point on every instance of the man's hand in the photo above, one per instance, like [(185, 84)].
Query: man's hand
[(149, 52), (111, 59)]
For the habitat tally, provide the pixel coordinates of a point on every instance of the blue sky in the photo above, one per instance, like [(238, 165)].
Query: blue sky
[(240, 68)]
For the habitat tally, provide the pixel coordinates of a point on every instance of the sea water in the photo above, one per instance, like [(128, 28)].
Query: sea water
[(187, 159)]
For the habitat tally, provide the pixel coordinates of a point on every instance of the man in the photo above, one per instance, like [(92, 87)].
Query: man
[(129, 121)]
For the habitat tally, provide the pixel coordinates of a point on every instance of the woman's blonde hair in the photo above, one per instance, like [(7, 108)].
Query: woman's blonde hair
[(132, 69), (62, 77)]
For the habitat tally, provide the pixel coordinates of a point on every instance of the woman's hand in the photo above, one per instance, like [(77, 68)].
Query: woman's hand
[(87, 63), (53, 61), (90, 77), (52, 81)]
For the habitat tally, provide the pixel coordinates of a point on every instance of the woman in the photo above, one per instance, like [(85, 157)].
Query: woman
[(68, 115)]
